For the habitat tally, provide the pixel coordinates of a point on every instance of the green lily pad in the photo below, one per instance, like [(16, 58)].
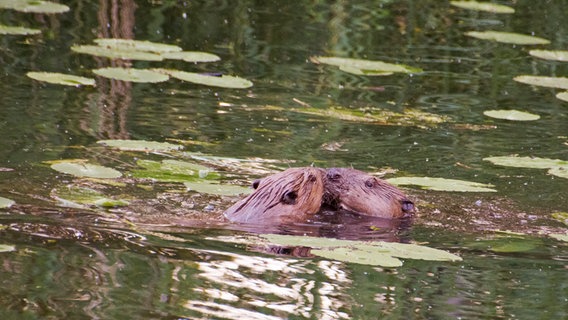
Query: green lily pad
[(208, 80), (483, 6), (191, 56), (514, 115), (141, 145), (550, 82), (506, 243), (20, 31), (561, 171), (34, 6), (507, 37), (136, 45), (556, 55), (82, 169), (526, 162), (114, 53), (134, 75), (367, 65), (362, 72), (366, 257), (7, 248), (6, 203), (210, 187), (563, 96), (173, 171), (561, 216), (559, 236), (441, 184), (74, 196), (61, 78)]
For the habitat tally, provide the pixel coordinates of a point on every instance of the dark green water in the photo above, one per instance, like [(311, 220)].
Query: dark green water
[(72, 265)]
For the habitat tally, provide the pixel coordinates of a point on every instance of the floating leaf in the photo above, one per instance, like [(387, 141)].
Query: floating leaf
[(506, 243), (191, 56), (514, 115), (134, 75), (82, 169), (441, 184), (526, 162), (114, 53), (141, 145), (353, 255), (366, 65), (61, 78), (507, 37), (17, 30), (7, 248), (74, 196), (561, 216), (210, 187), (209, 80), (6, 203), (563, 96), (34, 6), (483, 6), (556, 55), (551, 82), (559, 236), (173, 171), (362, 72), (138, 45), (561, 172)]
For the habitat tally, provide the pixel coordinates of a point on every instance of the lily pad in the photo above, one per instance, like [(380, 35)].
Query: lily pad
[(61, 78), (18, 30), (559, 236), (82, 169), (514, 115), (563, 96), (527, 162), (114, 53), (6, 203), (483, 6), (136, 45), (209, 80), (506, 243), (173, 171), (366, 65), (141, 145), (133, 75), (441, 184), (561, 171), (74, 196), (550, 82), (561, 216), (366, 257), (507, 37), (34, 6), (210, 187), (362, 72), (191, 56), (7, 248), (556, 55)]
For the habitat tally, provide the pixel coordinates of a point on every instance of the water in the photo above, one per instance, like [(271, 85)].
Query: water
[(160, 258)]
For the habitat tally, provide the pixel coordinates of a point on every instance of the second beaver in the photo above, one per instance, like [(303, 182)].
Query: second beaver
[(359, 192)]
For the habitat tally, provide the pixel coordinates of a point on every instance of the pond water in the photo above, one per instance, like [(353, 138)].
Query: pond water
[(169, 254)]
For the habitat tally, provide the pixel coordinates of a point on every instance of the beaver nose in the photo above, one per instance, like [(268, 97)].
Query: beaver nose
[(333, 174)]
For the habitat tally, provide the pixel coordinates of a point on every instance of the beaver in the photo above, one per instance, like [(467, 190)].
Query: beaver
[(359, 192), (292, 195)]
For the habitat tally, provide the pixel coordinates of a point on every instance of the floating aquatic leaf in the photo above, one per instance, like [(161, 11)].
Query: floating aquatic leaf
[(559, 236), (134, 75), (61, 78), (507, 37), (6, 203), (139, 45), (210, 187), (17, 30), (483, 6), (563, 96), (362, 72), (34, 6), (506, 243), (366, 257), (191, 56), (209, 80), (526, 162), (141, 145), (366, 65), (173, 171), (561, 216), (551, 82), (114, 53), (441, 184), (557, 55), (82, 169), (514, 115), (7, 248), (74, 196), (561, 172)]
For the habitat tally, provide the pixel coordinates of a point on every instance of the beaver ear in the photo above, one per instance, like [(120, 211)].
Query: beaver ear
[(407, 205), (255, 184), (333, 174), (289, 197)]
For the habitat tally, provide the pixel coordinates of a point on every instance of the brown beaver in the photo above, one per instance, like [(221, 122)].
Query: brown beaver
[(289, 196), (359, 192)]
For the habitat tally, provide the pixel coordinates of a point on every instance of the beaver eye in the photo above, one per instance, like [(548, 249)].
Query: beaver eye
[(370, 183), (289, 197)]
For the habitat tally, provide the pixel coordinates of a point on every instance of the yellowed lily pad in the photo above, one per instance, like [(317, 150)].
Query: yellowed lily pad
[(191, 56), (115, 53), (507, 37), (20, 31), (561, 172), (556, 55), (6, 203), (209, 80), (513, 115), (61, 78), (136, 45), (365, 65), (133, 75), (550, 82), (34, 6), (526, 162), (362, 72), (561, 216), (441, 184), (212, 187), (562, 96), (83, 169), (141, 145), (483, 6)]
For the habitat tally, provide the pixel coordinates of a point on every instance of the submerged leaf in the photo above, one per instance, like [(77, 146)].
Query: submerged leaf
[(441, 184), (365, 65), (6, 203), (526, 162), (141, 145), (134, 75), (191, 56), (514, 115), (210, 187), (81, 169), (556, 55), (61, 78), (138, 45), (18, 30), (551, 82), (483, 6), (507, 37), (34, 6), (114, 53), (209, 80)]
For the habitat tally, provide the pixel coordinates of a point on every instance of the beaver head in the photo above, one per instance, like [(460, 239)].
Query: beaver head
[(359, 192), (288, 196)]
